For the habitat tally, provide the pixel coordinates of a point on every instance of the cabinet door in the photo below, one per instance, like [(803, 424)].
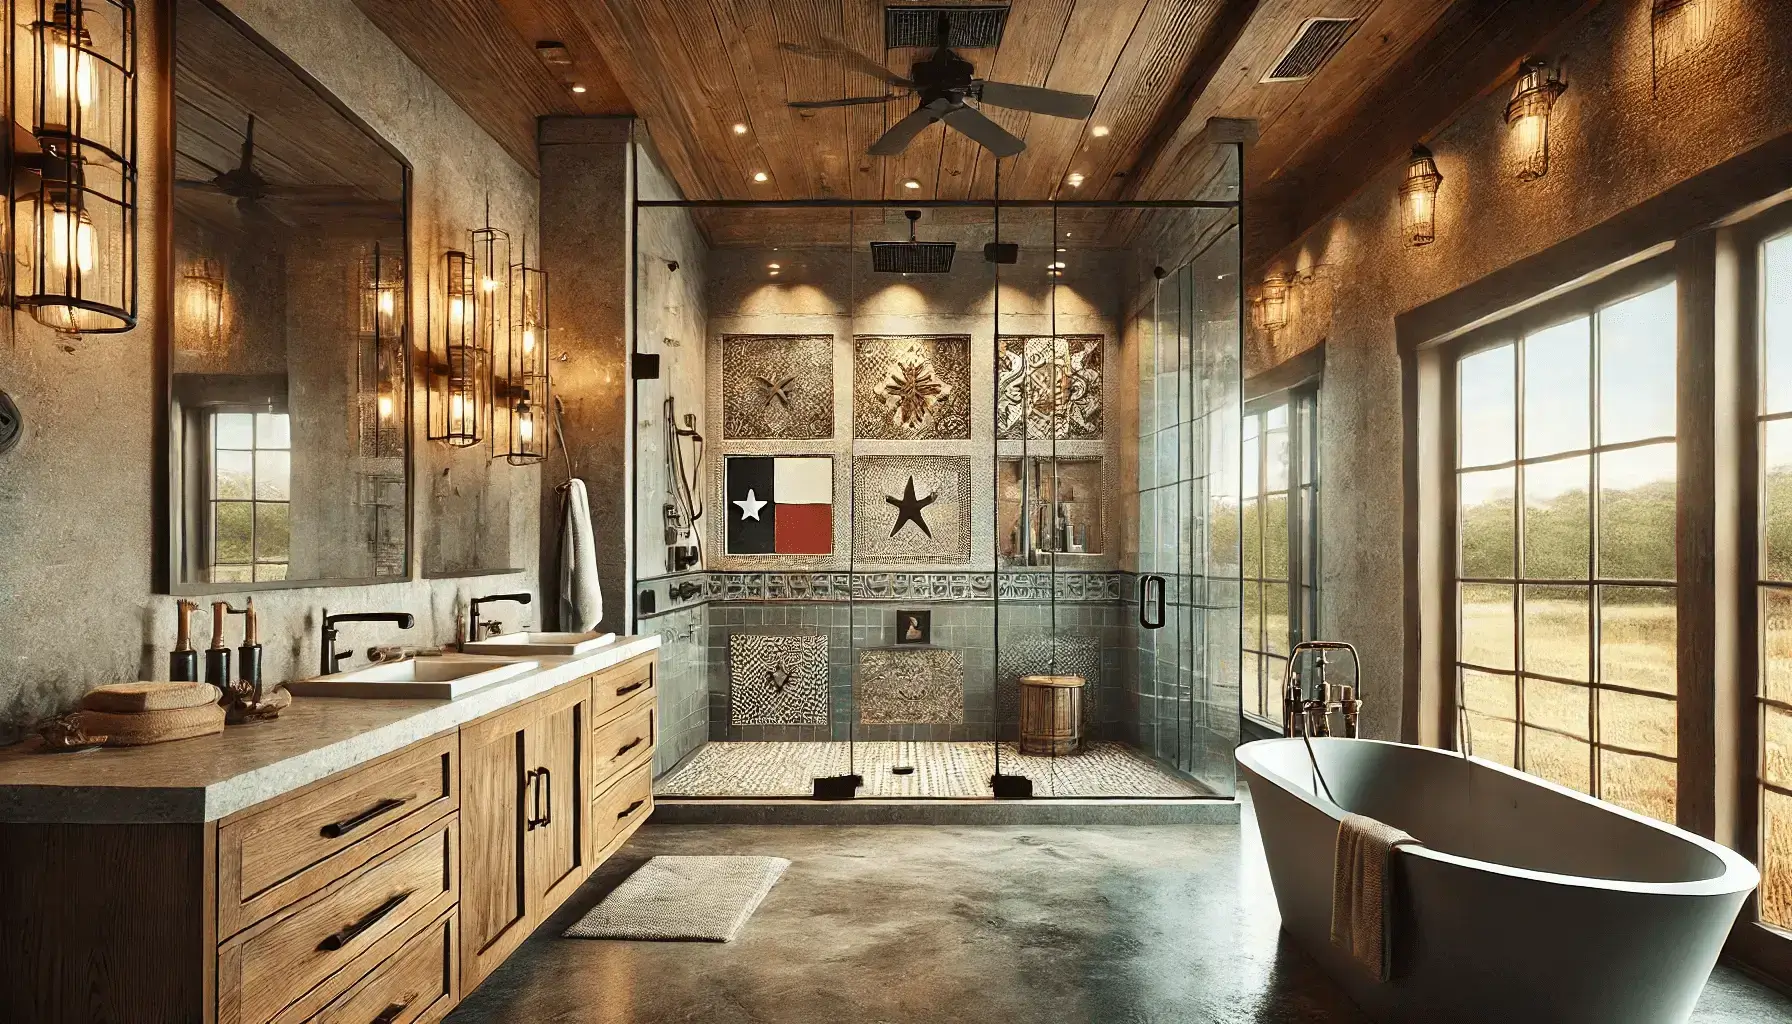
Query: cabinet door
[(496, 787), (558, 848)]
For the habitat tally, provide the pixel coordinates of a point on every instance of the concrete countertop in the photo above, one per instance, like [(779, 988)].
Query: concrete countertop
[(211, 777)]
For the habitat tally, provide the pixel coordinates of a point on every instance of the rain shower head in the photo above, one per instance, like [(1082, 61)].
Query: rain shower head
[(912, 257)]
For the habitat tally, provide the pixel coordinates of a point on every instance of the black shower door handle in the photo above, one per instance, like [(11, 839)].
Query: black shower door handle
[(1146, 601)]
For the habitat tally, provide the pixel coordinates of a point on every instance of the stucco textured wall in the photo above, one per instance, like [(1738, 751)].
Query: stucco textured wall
[(76, 497), (1621, 135)]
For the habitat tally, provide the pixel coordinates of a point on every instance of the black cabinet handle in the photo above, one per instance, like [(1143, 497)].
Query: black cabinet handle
[(630, 809), (630, 688), (342, 828), (534, 787), (547, 779), (393, 1012), (348, 935), (630, 745)]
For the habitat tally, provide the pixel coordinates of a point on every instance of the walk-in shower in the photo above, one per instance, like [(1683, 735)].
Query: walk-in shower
[(948, 445)]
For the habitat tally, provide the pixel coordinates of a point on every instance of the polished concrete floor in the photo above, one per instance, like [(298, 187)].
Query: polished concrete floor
[(904, 923)]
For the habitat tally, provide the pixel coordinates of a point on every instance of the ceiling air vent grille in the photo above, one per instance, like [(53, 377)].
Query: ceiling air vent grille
[(1315, 43), (970, 28)]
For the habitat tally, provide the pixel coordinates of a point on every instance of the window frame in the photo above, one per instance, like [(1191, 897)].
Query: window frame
[(1302, 582), (1559, 307), (207, 484)]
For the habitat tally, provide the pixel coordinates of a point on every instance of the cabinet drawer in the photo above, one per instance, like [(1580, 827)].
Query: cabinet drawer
[(625, 739), (627, 681), (300, 952), (416, 985), (272, 856), (617, 810)]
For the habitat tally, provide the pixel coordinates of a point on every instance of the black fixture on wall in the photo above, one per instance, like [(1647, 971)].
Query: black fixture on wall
[(12, 424), (519, 412), (72, 164)]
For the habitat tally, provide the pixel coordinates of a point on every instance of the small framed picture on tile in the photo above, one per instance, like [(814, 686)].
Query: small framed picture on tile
[(914, 626)]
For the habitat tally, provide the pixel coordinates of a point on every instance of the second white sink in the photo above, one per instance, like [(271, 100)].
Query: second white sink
[(554, 645), (432, 678)]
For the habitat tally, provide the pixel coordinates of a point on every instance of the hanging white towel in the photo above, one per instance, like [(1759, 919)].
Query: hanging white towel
[(581, 602)]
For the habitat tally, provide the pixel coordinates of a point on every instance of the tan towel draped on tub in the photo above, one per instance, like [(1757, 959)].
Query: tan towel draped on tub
[(1363, 890)]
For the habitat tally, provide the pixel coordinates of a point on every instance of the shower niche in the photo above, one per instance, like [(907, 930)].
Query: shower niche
[(1006, 440)]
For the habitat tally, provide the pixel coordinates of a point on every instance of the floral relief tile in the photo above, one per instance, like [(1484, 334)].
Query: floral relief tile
[(1049, 387), (777, 386), (912, 508), (777, 680), (912, 388)]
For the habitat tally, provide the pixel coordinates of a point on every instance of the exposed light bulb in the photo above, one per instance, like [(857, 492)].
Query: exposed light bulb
[(386, 404), (457, 411), (71, 69), (71, 239), (525, 423), (386, 302), (529, 340), (488, 284)]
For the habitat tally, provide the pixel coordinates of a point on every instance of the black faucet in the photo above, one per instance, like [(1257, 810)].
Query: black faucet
[(331, 661), (473, 609)]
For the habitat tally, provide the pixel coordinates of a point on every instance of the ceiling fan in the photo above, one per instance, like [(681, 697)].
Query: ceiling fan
[(944, 81), (246, 185)]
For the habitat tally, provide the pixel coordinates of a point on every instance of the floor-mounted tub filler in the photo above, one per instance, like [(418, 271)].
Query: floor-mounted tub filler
[(1526, 902)]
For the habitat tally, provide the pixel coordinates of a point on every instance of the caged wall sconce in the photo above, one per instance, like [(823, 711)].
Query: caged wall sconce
[(1528, 113), (522, 394), (1272, 302), (379, 363), (72, 164), (459, 375), (1418, 198), (202, 326)]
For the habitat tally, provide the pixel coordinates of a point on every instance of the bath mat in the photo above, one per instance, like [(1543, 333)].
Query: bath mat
[(683, 899)]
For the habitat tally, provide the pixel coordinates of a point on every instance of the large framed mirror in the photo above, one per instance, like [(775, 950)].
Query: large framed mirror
[(288, 424)]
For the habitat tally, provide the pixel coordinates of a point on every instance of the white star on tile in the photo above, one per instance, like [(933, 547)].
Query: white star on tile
[(749, 508)]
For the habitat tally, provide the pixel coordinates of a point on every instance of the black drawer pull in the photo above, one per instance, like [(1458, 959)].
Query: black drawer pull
[(630, 688), (395, 1011), (630, 745), (630, 809), (534, 788), (343, 828), (349, 934), (547, 816)]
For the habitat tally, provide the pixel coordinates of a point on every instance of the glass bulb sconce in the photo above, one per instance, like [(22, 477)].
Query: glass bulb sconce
[(519, 433), (379, 367), (201, 328), (73, 166), (458, 396), (489, 304), (1418, 198), (1533, 99), (1272, 303)]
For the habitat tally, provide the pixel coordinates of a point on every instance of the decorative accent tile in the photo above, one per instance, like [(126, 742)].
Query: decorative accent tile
[(915, 687), (777, 680), (912, 388), (777, 386), (1052, 384), (779, 505), (1031, 654), (912, 508)]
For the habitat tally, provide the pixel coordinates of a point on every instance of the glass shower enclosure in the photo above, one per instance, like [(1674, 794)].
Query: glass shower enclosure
[(939, 499)]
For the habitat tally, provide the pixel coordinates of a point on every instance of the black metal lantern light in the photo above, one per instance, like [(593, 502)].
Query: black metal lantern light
[(379, 370), (519, 429), (459, 371), (74, 221)]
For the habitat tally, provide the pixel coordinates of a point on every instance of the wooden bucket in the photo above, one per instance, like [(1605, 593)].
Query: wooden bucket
[(1051, 714)]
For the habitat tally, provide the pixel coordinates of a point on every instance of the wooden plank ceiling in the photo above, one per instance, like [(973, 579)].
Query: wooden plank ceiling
[(695, 69)]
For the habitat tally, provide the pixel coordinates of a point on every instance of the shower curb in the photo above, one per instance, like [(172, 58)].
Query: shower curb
[(946, 812)]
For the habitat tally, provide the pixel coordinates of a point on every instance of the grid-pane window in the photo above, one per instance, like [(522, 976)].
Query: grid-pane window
[(1566, 502), (1279, 488), (250, 491), (1774, 584)]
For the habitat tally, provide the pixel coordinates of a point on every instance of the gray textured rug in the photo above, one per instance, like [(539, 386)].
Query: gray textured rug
[(683, 899)]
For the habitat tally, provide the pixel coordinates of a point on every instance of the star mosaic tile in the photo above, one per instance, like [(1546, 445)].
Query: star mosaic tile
[(912, 388), (912, 508), (777, 386)]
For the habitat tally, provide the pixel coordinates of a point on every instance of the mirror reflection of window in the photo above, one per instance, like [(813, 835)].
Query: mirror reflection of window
[(251, 490)]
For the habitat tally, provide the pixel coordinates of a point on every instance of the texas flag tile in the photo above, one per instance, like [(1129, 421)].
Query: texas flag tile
[(780, 505)]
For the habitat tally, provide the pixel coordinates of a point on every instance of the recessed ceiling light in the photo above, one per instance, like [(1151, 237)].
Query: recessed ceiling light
[(911, 183), (1062, 249), (740, 129), (1066, 234), (761, 176), (1076, 180), (773, 266), (1100, 131), (1058, 265), (578, 89)]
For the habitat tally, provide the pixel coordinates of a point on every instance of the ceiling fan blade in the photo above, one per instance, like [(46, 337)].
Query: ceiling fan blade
[(984, 132), (847, 55), (904, 131), (1053, 102), (199, 186), (852, 101)]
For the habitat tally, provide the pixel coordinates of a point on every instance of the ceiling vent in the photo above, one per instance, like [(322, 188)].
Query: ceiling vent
[(1315, 43), (968, 28)]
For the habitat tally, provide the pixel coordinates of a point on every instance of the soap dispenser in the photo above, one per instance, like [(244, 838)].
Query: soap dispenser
[(183, 661), (217, 656), (248, 666)]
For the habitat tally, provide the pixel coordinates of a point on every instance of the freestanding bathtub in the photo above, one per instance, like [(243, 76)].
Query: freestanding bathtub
[(1527, 904)]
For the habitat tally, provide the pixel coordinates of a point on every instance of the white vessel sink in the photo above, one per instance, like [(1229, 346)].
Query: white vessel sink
[(426, 678), (554, 645)]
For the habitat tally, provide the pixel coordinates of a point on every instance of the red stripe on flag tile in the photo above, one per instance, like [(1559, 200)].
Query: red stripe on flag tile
[(805, 529)]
